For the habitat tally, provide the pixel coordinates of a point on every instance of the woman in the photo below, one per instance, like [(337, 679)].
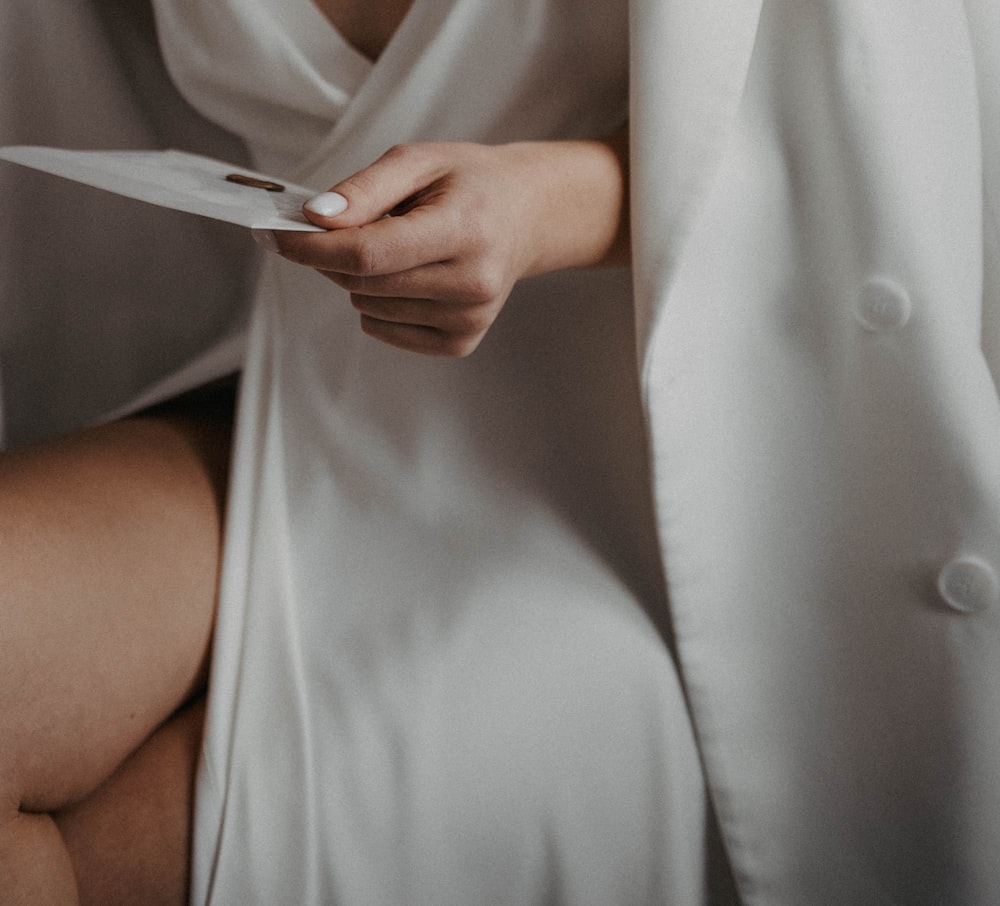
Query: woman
[(458, 501), (437, 621), (436, 676)]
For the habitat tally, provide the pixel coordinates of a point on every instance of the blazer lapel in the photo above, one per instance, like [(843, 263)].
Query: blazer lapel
[(689, 65)]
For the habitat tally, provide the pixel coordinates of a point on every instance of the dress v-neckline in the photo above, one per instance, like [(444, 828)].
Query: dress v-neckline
[(382, 77), (351, 45), (319, 29), (332, 56), (323, 44)]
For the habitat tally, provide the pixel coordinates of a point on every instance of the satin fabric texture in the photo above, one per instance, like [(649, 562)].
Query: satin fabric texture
[(439, 675)]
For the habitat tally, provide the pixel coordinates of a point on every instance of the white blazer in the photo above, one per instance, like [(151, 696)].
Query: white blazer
[(815, 192)]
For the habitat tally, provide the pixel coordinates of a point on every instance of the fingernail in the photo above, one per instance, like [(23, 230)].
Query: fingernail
[(265, 239), (327, 204)]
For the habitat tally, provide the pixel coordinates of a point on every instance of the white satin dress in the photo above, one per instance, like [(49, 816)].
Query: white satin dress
[(440, 672)]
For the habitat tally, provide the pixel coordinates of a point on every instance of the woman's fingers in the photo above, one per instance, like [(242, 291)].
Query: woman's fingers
[(380, 188), (388, 246), (453, 302), (458, 319), (418, 338), (447, 282), (429, 237)]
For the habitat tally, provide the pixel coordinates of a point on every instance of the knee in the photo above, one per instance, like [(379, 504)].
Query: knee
[(34, 863)]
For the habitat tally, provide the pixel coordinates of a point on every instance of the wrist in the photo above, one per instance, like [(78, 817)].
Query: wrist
[(576, 198)]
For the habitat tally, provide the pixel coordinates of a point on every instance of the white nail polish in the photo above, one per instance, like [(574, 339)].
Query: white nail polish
[(265, 239), (327, 204)]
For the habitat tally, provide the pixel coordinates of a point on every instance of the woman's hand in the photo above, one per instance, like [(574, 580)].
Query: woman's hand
[(430, 239)]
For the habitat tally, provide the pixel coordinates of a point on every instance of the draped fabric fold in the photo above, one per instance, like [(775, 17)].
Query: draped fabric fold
[(439, 676)]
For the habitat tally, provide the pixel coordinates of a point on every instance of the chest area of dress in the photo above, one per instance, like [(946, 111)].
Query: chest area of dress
[(249, 46), (282, 75), (366, 25)]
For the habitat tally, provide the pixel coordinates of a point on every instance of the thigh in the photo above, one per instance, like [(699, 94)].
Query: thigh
[(109, 556), (129, 842)]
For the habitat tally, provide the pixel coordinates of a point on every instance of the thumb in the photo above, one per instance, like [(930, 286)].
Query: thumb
[(377, 190)]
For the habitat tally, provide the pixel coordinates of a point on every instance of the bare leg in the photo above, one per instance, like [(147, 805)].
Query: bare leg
[(109, 552), (129, 842)]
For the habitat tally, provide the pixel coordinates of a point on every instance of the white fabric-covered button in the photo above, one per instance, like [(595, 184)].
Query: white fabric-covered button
[(883, 304), (968, 584)]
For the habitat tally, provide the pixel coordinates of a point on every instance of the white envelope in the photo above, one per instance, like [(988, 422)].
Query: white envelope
[(178, 180)]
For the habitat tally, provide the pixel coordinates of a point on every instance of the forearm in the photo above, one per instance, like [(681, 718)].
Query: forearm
[(579, 190)]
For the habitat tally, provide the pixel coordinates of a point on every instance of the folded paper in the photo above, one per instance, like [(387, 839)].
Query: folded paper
[(180, 181)]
